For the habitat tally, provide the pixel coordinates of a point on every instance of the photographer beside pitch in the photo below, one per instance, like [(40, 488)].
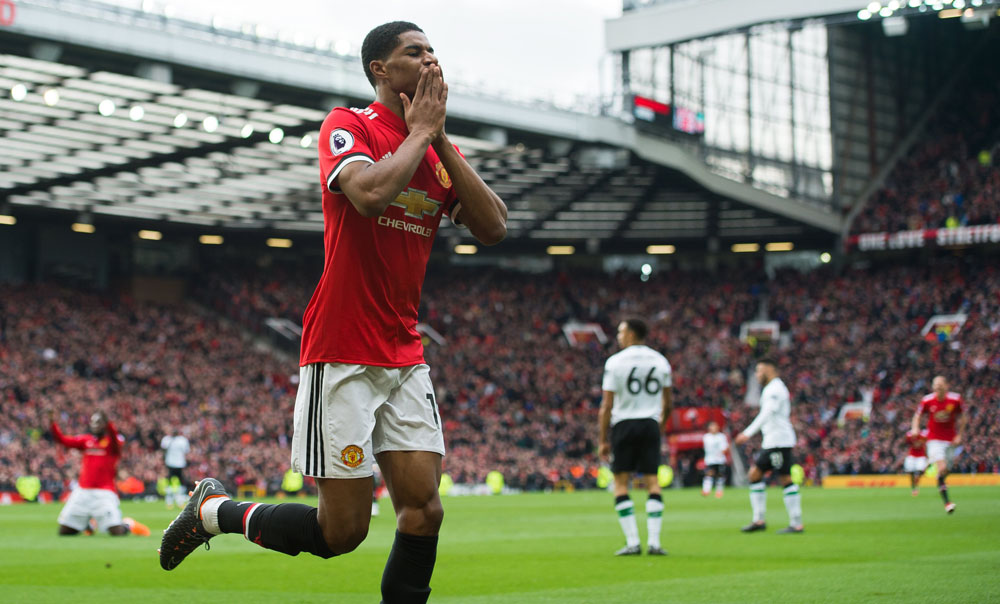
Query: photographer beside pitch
[(389, 174)]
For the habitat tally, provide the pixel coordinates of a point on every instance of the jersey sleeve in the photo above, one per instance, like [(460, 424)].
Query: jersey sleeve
[(452, 204), (922, 409), (344, 139), (608, 383), (165, 441), (668, 375), (115, 440), (73, 442)]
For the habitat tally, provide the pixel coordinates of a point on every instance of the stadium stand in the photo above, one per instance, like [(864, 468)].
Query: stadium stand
[(951, 177), (514, 394)]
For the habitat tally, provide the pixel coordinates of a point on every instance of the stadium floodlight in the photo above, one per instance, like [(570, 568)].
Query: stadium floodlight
[(745, 248), (825, 257), (279, 242), (660, 249), (864, 15), (210, 240), (82, 227), (342, 48), (150, 235), (180, 120), (560, 250), (18, 92), (915, 3), (895, 26), (893, 5), (276, 135), (106, 107), (466, 249), (7, 220), (246, 131), (210, 123), (885, 12), (959, 4), (874, 7), (136, 113), (306, 141), (646, 270), (780, 246), (51, 97)]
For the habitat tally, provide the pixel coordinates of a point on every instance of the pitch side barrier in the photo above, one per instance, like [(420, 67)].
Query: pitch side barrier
[(876, 481)]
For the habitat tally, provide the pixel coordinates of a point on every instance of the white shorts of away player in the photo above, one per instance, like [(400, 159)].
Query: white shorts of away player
[(939, 450), (83, 504), (914, 464), (346, 414)]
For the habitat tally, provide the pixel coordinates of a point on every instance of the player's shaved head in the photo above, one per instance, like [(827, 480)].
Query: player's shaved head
[(380, 42), (939, 383)]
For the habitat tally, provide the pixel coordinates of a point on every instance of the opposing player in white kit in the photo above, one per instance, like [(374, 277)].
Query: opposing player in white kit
[(637, 400), (175, 449), (775, 424), (715, 444)]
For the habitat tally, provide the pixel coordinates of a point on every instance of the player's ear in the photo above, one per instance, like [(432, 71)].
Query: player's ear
[(378, 69)]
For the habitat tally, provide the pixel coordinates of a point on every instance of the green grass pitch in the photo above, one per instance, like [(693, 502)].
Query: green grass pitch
[(859, 546)]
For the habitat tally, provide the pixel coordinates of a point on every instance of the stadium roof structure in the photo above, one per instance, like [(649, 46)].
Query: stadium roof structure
[(82, 133)]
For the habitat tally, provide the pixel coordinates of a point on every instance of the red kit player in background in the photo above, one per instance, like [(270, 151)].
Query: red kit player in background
[(388, 174), (943, 410), (916, 459), (95, 496)]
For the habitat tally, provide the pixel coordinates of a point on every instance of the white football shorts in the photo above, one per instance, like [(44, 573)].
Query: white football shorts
[(83, 504), (939, 450), (346, 414), (914, 464)]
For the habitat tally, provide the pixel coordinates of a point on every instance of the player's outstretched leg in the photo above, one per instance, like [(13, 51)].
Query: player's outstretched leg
[(187, 532), (949, 507)]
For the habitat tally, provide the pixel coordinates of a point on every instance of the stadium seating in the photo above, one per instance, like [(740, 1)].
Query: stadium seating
[(514, 395)]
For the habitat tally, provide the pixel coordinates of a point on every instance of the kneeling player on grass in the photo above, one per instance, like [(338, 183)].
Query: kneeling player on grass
[(389, 175), (776, 455), (95, 499)]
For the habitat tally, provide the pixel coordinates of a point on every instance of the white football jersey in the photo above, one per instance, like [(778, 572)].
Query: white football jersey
[(637, 375), (715, 448), (774, 419), (176, 448)]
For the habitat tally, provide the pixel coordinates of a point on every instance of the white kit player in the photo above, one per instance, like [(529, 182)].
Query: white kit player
[(715, 444), (774, 422), (175, 449), (637, 401)]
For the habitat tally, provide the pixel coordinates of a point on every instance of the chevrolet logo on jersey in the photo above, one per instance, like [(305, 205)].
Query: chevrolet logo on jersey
[(417, 204)]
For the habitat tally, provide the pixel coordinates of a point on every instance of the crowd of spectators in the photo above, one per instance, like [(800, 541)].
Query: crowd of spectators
[(951, 176), (514, 394)]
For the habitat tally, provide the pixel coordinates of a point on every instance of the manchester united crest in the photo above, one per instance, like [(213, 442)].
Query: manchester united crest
[(352, 456), (442, 175)]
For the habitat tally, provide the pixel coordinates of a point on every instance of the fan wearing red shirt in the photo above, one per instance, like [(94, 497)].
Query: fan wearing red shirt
[(95, 495), (916, 458), (943, 410), (389, 174)]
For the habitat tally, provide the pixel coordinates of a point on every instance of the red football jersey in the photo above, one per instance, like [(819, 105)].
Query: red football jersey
[(918, 444), (100, 456), (364, 309), (941, 415)]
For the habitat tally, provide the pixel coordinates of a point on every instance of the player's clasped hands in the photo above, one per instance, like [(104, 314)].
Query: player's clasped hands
[(427, 109)]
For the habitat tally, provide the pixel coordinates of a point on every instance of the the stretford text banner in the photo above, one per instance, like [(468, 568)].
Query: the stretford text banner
[(905, 240)]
